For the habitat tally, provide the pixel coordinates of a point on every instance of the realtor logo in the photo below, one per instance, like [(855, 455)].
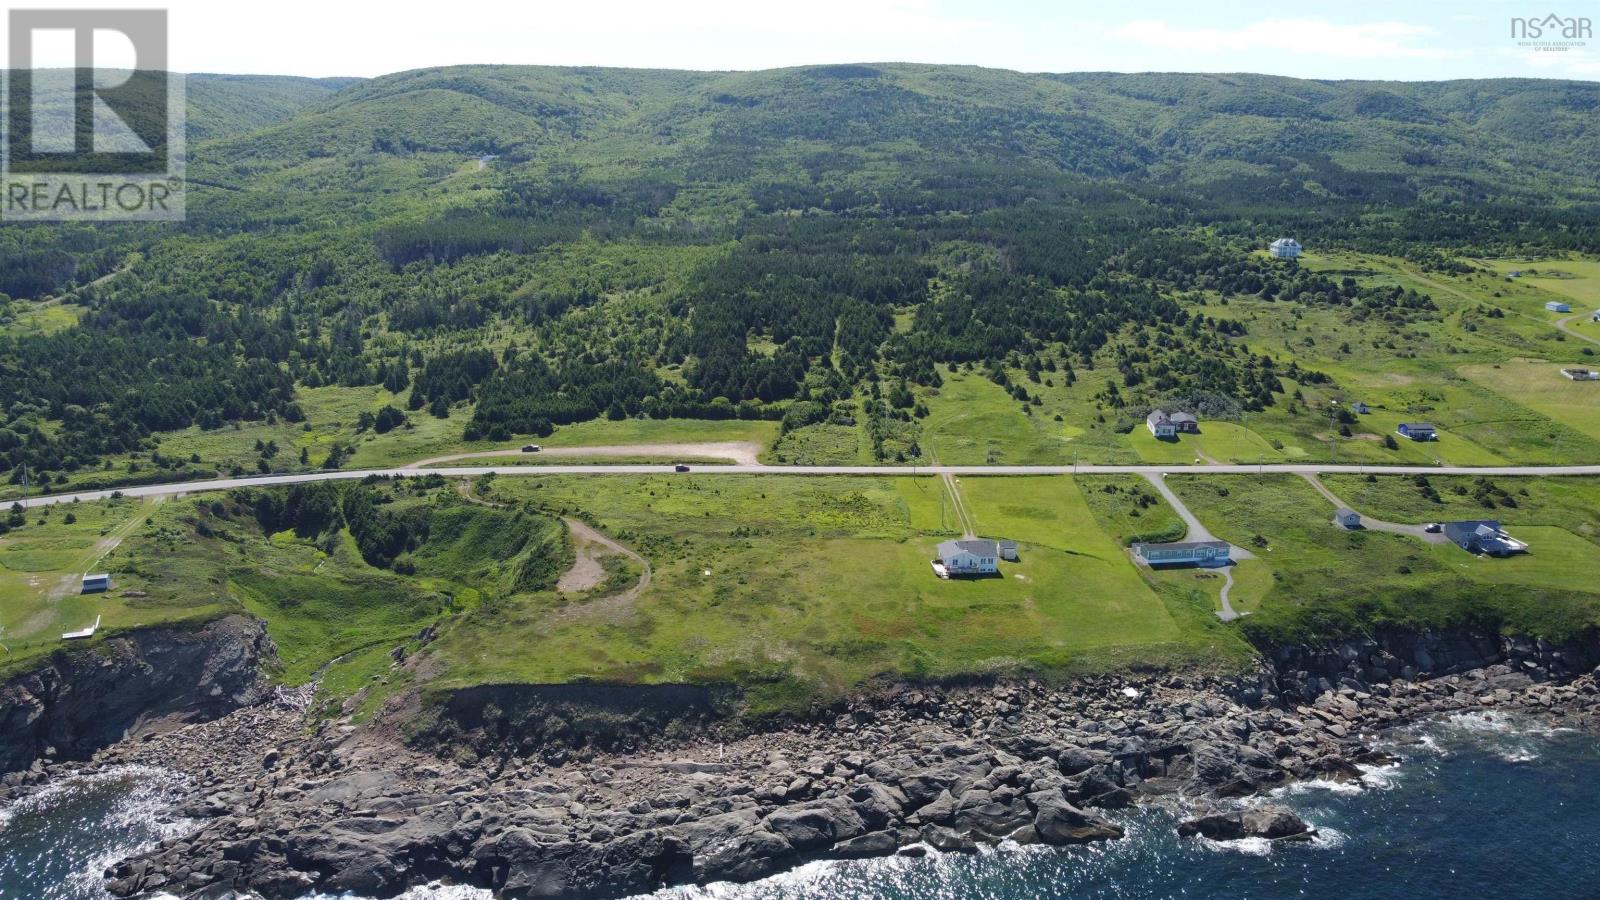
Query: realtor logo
[(1552, 33), (84, 140)]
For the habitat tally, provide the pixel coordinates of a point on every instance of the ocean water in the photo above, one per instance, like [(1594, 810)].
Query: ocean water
[(1481, 805)]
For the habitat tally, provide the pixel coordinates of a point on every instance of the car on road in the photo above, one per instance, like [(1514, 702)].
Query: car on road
[(530, 448), (1433, 528), (680, 467)]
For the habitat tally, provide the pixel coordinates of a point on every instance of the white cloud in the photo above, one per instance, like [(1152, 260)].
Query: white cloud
[(1564, 64), (1301, 36)]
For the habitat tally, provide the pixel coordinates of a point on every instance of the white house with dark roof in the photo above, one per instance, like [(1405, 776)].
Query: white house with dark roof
[(970, 556), (1285, 248), (1163, 424)]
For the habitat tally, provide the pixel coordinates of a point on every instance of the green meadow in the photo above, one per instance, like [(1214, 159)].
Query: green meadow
[(796, 587)]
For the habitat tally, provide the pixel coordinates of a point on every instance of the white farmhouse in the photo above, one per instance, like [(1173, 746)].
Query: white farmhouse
[(1285, 248), (970, 557)]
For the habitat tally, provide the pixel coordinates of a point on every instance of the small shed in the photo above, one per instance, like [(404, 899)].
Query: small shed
[(1558, 306), (1008, 550), (1418, 431), (1347, 518), (1360, 408), (96, 584)]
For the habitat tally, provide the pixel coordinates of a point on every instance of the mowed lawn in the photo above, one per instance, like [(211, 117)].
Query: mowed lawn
[(815, 585), (1541, 386), (1225, 442)]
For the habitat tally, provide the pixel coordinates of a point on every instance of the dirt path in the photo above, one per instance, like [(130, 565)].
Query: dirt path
[(587, 573), (745, 453), (71, 582), (969, 527), (1370, 524), (1565, 325)]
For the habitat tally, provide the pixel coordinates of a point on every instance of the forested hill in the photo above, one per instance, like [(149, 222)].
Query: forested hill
[(827, 127), (514, 248)]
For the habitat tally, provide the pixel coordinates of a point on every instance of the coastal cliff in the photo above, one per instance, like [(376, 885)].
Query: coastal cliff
[(501, 789), (84, 698)]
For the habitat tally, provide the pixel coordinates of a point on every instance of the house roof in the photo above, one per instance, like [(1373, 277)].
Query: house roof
[(1285, 242), (1417, 426), (1158, 417), (96, 577), (1183, 417), (1181, 545), (1344, 513), (975, 546), (1007, 545)]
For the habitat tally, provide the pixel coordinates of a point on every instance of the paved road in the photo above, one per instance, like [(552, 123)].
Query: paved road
[(222, 484)]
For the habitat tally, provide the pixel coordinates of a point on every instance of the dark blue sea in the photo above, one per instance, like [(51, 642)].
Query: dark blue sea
[(1481, 806)]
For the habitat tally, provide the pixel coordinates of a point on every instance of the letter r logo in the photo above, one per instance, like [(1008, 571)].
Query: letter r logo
[(86, 119)]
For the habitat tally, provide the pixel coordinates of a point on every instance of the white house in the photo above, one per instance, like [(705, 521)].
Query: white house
[(1163, 424), (1558, 306), (1581, 374), (1285, 248), (970, 556)]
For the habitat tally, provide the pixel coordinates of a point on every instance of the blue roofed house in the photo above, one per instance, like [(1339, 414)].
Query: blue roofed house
[(1207, 554), (1483, 536), (970, 556), (1417, 431)]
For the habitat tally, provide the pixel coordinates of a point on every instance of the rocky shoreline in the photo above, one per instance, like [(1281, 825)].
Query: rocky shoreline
[(282, 810)]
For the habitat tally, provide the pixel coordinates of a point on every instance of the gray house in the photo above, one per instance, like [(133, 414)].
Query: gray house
[(1483, 536), (1163, 424), (1418, 431), (95, 584), (1558, 306), (1360, 408), (970, 556), (1285, 248), (1347, 518), (1207, 554)]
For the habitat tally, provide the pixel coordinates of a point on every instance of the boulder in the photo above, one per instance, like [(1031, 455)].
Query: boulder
[(1276, 823), (1059, 822)]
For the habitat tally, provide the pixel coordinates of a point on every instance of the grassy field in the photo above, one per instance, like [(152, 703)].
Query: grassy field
[(1540, 386), (972, 421), (1324, 579), (140, 543), (1223, 442), (746, 589), (1569, 503)]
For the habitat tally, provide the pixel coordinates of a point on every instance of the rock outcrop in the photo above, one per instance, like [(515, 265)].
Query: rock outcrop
[(86, 697)]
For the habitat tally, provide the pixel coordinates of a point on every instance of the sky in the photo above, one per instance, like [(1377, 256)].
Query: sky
[(1413, 40)]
